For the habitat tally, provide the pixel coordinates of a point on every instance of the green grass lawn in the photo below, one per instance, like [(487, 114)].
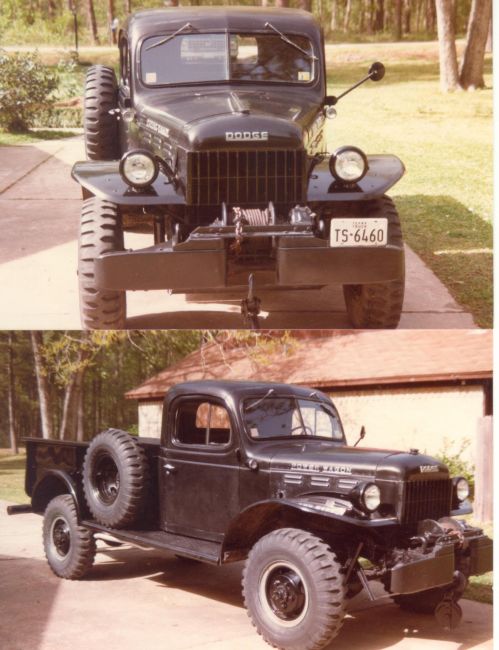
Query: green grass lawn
[(12, 477), (445, 142), (33, 136)]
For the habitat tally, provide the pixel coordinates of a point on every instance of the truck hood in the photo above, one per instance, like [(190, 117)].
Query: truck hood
[(202, 120), (310, 459)]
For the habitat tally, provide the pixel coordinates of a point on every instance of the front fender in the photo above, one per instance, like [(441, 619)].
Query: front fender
[(260, 518), (384, 171), (103, 179)]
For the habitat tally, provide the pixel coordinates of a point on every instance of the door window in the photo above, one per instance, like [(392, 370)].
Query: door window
[(201, 422)]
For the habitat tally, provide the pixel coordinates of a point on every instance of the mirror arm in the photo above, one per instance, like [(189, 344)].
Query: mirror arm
[(332, 100)]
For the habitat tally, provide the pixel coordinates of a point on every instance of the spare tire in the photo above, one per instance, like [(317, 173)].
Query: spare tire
[(101, 125), (115, 478)]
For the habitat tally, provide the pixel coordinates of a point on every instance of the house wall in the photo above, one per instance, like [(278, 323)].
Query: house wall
[(430, 419)]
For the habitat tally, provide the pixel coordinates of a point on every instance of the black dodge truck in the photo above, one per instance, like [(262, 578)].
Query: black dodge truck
[(212, 140), (262, 472)]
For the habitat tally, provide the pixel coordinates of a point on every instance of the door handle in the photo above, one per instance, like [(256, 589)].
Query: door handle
[(170, 469)]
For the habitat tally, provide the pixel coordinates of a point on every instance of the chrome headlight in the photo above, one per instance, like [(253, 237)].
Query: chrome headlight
[(370, 497), (461, 488), (348, 164), (139, 168)]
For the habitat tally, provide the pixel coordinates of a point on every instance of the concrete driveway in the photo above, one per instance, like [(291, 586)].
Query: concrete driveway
[(39, 214), (142, 599)]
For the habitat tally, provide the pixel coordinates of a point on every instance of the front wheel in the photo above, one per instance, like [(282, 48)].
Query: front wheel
[(293, 590), (100, 232), (378, 305), (69, 547)]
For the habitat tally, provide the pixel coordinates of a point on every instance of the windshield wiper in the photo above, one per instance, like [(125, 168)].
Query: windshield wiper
[(169, 38), (259, 401), (290, 42)]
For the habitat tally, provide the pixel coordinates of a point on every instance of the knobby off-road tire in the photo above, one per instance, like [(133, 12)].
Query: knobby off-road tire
[(100, 126), (69, 547), (379, 305), (424, 602), (100, 232), (115, 478), (293, 590)]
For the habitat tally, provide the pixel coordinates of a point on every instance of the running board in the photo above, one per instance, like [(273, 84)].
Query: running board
[(196, 549)]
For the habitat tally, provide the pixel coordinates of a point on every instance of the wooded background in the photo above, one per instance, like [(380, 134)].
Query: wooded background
[(71, 385)]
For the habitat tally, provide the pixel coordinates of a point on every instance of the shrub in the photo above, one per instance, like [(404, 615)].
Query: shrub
[(457, 465), (25, 86)]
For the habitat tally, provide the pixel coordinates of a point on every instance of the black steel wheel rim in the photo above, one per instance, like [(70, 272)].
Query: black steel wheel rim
[(60, 536), (105, 478), (285, 593)]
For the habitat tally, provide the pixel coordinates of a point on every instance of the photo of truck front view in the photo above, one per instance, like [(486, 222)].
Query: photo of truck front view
[(262, 473), (212, 140)]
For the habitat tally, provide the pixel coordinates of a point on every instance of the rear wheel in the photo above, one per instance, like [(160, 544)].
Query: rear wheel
[(101, 125), (115, 478), (100, 232), (69, 547), (293, 590), (378, 305)]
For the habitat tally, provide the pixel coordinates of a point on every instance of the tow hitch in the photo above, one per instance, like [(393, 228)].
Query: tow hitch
[(250, 306)]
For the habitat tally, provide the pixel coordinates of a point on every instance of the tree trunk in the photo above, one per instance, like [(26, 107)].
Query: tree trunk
[(92, 23), (334, 15), (430, 16), (128, 6), (71, 427), (265, 3), (488, 46), (449, 79), (471, 75), (306, 5), (42, 385), (407, 16), (397, 20), (110, 18), (281, 3), (379, 15), (348, 14), (11, 394)]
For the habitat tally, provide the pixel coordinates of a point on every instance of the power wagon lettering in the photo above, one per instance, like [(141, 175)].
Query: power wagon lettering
[(424, 469), (315, 467)]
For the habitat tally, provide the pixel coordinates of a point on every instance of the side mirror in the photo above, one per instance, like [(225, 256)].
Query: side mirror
[(362, 435), (377, 71)]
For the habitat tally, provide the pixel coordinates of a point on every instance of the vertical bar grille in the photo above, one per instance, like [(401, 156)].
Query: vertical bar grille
[(239, 177), (427, 500)]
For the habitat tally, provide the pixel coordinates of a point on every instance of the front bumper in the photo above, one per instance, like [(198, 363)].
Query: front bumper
[(437, 568), (204, 261)]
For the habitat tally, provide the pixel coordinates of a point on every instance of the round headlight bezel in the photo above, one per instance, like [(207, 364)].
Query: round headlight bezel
[(464, 495), (134, 183), (336, 156)]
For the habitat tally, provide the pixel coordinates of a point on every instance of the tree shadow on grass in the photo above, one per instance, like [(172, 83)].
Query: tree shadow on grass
[(456, 244)]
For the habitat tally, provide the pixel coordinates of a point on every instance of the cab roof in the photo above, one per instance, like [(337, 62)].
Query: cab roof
[(156, 21), (234, 391)]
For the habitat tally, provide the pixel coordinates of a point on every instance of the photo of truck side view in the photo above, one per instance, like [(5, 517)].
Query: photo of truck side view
[(212, 140), (262, 473)]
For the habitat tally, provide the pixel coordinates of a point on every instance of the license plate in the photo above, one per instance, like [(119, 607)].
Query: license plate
[(359, 232)]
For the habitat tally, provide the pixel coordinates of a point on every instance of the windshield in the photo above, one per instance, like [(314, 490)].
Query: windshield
[(284, 417), (196, 58)]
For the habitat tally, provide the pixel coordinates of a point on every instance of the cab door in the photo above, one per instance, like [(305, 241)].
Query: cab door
[(199, 469)]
